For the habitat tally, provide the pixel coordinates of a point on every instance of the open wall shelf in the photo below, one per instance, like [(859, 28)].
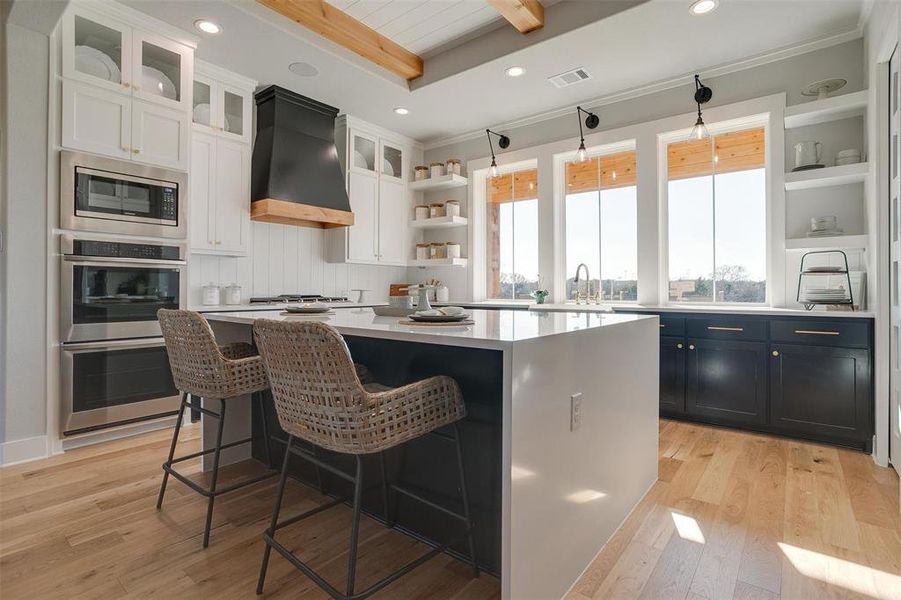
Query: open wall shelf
[(814, 178), (829, 109)]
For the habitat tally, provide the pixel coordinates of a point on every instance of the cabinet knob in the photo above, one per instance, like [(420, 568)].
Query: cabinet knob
[(691, 346), (136, 151), (125, 84), (125, 149), (775, 353), (679, 346)]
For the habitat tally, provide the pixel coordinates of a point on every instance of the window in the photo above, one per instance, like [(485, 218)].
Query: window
[(512, 235), (716, 197), (602, 226)]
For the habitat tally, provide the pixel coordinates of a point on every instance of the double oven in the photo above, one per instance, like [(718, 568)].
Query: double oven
[(123, 258)]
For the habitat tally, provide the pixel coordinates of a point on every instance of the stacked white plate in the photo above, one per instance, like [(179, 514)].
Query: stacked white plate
[(825, 295), (824, 227), (847, 157), (91, 61), (156, 80)]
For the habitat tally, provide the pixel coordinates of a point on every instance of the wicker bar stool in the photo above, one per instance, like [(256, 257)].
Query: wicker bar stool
[(319, 398), (203, 369)]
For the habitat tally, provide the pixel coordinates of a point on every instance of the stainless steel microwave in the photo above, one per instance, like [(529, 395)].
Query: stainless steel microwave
[(108, 195)]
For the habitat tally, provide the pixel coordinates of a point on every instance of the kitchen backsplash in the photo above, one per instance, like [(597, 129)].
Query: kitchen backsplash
[(286, 260)]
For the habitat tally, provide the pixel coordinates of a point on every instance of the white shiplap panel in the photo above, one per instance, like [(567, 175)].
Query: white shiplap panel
[(260, 259), (228, 271), (388, 12), (419, 15), (361, 9), (450, 29), (304, 262), (290, 267), (276, 266)]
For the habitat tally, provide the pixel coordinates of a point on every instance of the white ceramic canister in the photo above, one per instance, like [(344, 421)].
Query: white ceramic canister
[(420, 173), (210, 294), (452, 208), (453, 166), (453, 250), (422, 251), (233, 294), (438, 250), (436, 169), (442, 294), (421, 211)]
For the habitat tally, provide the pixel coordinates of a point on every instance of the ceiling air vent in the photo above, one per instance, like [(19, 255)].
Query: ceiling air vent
[(570, 77)]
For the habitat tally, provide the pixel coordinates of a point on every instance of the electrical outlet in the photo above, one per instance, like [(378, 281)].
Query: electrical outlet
[(575, 411)]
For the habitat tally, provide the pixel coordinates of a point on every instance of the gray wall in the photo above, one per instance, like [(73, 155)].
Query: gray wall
[(789, 75), (24, 259)]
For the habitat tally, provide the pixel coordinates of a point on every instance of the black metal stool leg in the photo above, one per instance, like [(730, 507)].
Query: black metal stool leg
[(386, 491), (212, 499), (465, 494), (265, 425), (275, 511), (181, 414), (355, 528)]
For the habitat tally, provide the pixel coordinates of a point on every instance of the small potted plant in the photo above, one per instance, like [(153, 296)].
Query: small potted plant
[(541, 294)]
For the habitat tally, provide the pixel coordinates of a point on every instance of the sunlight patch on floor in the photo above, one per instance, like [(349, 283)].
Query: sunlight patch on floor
[(688, 528), (851, 576)]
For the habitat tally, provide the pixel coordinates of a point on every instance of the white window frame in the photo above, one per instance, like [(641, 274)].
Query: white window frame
[(715, 128), (478, 201), (560, 161)]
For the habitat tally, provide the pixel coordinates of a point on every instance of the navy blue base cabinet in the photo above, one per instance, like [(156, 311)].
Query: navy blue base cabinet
[(806, 377)]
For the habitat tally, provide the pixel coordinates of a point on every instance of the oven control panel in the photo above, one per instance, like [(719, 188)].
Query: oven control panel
[(107, 249)]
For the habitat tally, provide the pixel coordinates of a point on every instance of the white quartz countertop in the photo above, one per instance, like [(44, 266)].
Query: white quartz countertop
[(246, 306), (498, 329), (726, 310)]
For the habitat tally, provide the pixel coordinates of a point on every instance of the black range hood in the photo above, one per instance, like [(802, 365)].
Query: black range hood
[(296, 178)]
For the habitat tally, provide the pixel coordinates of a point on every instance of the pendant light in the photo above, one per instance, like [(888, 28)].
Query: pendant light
[(591, 121), (703, 94), (503, 142)]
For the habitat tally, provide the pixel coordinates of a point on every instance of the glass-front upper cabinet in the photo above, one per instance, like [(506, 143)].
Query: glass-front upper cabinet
[(220, 108), (392, 159), (97, 49), (363, 152), (162, 70)]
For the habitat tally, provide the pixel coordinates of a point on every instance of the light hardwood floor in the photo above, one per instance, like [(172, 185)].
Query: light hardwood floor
[(734, 515)]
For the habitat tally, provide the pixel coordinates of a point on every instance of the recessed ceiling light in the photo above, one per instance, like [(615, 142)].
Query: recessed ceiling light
[(207, 26), (515, 71), (303, 69), (400, 110), (702, 7)]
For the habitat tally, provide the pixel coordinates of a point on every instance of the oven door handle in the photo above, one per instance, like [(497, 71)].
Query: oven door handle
[(118, 260), (113, 344)]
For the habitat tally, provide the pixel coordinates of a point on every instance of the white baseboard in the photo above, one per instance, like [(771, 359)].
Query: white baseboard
[(25, 450)]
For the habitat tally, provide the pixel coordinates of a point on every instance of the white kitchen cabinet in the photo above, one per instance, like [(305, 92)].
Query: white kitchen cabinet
[(220, 196), (202, 200), (126, 91), (393, 217), (376, 163), (159, 135), (96, 120), (166, 70), (223, 103), (232, 196), (363, 235)]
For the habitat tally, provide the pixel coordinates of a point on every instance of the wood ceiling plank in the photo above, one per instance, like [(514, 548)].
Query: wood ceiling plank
[(735, 151), (344, 30), (525, 15)]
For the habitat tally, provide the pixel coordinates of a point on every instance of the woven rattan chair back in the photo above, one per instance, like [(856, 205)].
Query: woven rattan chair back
[(319, 397), (198, 364)]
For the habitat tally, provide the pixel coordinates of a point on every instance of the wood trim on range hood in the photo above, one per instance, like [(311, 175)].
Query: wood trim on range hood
[(269, 210)]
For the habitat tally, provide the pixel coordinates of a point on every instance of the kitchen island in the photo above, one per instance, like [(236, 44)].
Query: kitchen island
[(560, 437)]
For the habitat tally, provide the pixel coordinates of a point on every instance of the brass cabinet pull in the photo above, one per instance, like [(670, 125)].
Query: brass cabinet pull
[(691, 346), (815, 332), (775, 353), (662, 326), (679, 346), (715, 328)]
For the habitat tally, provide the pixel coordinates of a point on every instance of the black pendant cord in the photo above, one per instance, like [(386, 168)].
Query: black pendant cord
[(490, 145)]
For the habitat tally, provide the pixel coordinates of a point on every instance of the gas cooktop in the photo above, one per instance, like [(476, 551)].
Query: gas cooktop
[(288, 298)]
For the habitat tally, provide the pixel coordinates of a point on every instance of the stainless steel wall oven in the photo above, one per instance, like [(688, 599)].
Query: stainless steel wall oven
[(115, 368)]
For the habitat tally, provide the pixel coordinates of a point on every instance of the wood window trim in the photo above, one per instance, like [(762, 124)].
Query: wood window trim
[(735, 151)]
